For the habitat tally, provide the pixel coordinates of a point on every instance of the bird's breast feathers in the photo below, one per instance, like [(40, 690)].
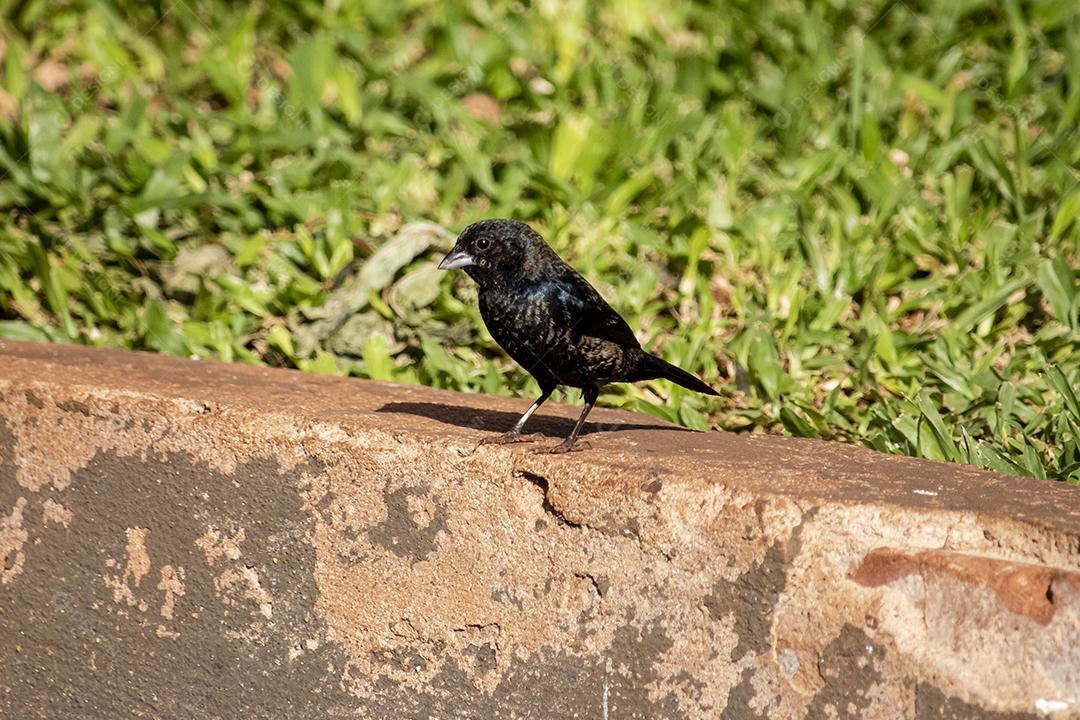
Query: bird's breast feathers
[(550, 332)]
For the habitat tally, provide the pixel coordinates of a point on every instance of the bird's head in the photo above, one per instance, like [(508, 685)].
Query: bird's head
[(493, 251)]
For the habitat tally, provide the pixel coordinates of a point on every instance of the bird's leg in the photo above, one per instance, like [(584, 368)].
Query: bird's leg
[(570, 443), (513, 435)]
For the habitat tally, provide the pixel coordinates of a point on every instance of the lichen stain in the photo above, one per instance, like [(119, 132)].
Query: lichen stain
[(7, 458), (850, 665), (411, 528), (12, 538), (549, 683), (83, 655), (95, 425), (933, 704), (740, 697), (750, 599)]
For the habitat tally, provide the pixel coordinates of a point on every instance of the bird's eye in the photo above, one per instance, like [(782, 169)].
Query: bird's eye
[(482, 243)]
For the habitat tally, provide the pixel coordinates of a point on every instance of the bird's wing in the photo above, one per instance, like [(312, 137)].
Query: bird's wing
[(584, 311)]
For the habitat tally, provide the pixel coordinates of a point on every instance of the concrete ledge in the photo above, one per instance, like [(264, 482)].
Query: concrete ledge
[(187, 539)]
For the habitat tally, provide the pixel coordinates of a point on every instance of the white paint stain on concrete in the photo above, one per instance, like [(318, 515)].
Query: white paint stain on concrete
[(1044, 707)]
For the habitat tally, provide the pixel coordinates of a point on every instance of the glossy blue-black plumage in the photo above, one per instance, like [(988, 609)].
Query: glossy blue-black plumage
[(549, 319)]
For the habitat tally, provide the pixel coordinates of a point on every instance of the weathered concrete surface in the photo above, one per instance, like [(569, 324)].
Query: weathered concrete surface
[(195, 540)]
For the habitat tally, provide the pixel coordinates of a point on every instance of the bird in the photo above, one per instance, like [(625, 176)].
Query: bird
[(551, 321)]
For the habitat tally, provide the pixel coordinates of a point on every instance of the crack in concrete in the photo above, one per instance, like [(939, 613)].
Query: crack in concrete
[(549, 507)]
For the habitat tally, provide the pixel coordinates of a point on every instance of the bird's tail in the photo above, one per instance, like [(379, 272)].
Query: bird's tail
[(654, 367)]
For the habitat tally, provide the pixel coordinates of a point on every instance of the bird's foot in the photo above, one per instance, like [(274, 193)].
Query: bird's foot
[(508, 438), (564, 447)]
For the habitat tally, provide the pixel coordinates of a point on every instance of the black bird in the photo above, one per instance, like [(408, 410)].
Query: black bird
[(551, 321)]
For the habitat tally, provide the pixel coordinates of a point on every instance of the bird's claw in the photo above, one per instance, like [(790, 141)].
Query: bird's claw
[(507, 438), (564, 447)]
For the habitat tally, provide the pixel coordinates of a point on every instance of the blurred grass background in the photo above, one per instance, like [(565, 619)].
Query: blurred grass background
[(859, 220)]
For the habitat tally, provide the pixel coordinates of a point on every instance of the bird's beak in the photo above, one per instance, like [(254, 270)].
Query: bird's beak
[(456, 259)]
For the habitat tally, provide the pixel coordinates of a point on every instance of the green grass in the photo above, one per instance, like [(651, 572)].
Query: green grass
[(858, 220)]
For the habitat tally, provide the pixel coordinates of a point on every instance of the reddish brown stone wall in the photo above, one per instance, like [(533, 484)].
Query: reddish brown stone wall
[(187, 539)]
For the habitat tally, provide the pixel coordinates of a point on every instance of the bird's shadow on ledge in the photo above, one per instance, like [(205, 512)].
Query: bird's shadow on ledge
[(501, 421)]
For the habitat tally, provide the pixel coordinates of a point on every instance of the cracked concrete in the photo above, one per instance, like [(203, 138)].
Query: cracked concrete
[(189, 539)]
